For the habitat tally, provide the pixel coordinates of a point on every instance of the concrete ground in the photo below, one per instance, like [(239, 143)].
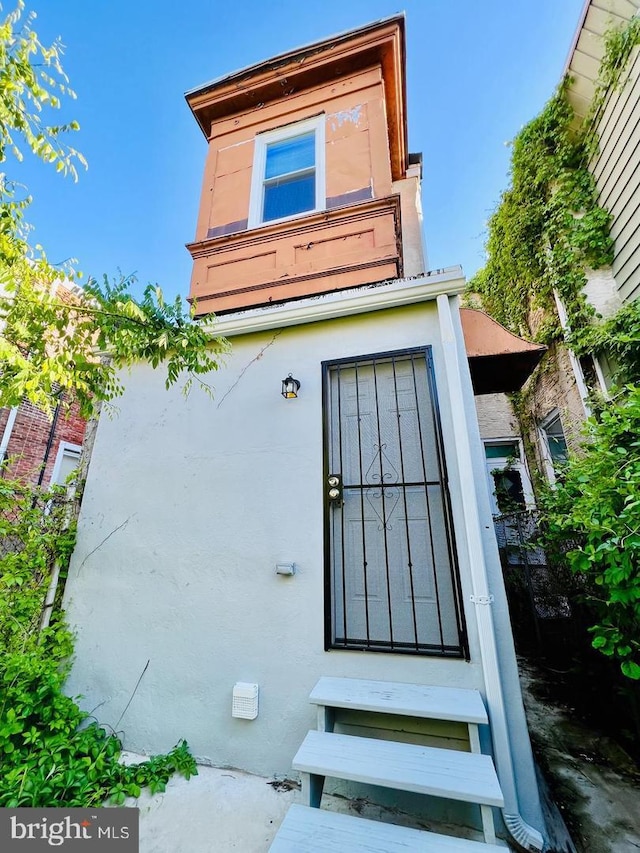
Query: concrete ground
[(220, 811), (214, 812), (593, 781)]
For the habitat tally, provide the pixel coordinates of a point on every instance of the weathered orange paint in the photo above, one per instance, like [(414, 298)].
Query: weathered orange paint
[(326, 251), (349, 81)]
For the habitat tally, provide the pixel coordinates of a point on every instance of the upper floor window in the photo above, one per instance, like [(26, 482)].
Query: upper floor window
[(555, 450), (288, 172)]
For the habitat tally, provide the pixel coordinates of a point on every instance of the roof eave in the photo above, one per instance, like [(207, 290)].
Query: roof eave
[(382, 42)]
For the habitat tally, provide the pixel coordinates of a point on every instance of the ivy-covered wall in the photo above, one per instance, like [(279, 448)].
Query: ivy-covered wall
[(545, 239), (546, 235)]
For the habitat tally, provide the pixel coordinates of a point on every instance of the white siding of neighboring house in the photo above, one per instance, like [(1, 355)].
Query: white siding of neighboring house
[(616, 166), (617, 173)]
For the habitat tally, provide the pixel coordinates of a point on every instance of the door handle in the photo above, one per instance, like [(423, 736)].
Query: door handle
[(334, 487)]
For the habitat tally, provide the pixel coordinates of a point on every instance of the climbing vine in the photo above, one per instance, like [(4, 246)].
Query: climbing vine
[(546, 232), (547, 229), (617, 337)]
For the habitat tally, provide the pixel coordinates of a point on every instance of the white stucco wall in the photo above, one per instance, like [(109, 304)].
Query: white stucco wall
[(200, 499), (189, 505)]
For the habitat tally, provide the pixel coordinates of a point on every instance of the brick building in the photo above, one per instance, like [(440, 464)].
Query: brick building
[(37, 448)]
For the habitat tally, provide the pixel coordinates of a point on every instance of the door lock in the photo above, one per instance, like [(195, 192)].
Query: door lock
[(334, 483)]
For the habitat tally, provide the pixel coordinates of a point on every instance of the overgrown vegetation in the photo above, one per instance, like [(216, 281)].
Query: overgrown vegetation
[(547, 229), (617, 338), (593, 515), (546, 232), (51, 752)]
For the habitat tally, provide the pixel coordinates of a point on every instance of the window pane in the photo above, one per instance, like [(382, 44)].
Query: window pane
[(556, 440), (291, 155), (557, 448), (507, 450), (288, 196)]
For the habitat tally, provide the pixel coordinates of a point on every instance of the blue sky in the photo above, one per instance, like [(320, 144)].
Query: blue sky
[(477, 70)]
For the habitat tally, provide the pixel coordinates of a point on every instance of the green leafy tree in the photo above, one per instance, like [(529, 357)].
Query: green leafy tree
[(51, 752), (48, 343)]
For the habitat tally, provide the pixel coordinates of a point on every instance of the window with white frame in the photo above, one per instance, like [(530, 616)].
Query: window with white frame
[(510, 487), (67, 460), (554, 444), (288, 172)]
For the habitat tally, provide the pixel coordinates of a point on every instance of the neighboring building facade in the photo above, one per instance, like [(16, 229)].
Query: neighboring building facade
[(37, 448), (40, 450), (343, 531), (560, 403), (616, 164)]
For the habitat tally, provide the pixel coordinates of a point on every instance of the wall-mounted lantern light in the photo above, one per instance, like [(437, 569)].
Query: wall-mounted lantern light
[(290, 387)]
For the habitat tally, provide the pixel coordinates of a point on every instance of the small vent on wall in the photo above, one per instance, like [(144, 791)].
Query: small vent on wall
[(245, 701)]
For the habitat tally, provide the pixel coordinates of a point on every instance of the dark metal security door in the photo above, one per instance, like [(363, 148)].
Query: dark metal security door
[(391, 582)]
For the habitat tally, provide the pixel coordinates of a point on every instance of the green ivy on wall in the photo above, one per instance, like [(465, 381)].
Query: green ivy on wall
[(549, 228), (547, 231)]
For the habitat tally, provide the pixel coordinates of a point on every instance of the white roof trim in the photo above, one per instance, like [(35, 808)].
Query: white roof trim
[(596, 18), (343, 303)]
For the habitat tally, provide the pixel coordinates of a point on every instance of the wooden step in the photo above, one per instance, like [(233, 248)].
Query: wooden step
[(446, 773), (389, 697), (306, 830)]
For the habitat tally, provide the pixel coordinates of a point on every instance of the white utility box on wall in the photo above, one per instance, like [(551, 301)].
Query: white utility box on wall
[(245, 701)]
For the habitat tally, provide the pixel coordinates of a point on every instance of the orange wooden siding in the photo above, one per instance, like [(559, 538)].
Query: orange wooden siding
[(325, 251), (355, 240)]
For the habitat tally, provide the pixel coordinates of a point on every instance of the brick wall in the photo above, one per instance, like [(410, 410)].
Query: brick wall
[(29, 438), (496, 417), (554, 388)]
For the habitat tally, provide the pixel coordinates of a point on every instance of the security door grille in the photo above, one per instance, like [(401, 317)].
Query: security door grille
[(392, 580)]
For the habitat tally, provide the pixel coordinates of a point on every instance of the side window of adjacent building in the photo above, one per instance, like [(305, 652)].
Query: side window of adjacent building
[(288, 172), (508, 478), (67, 460), (554, 444)]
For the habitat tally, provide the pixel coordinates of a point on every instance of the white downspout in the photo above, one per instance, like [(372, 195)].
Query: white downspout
[(525, 835), (6, 435)]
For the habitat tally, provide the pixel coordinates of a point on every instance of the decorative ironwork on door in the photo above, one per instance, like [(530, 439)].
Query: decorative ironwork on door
[(391, 574)]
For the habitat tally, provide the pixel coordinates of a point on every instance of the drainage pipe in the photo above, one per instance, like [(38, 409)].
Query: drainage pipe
[(6, 435), (526, 837)]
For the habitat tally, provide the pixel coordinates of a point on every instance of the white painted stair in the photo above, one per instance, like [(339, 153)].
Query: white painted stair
[(448, 773), (455, 704), (307, 830)]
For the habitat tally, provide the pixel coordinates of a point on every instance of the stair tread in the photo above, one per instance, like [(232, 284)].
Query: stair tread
[(307, 830), (465, 776), (415, 700)]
